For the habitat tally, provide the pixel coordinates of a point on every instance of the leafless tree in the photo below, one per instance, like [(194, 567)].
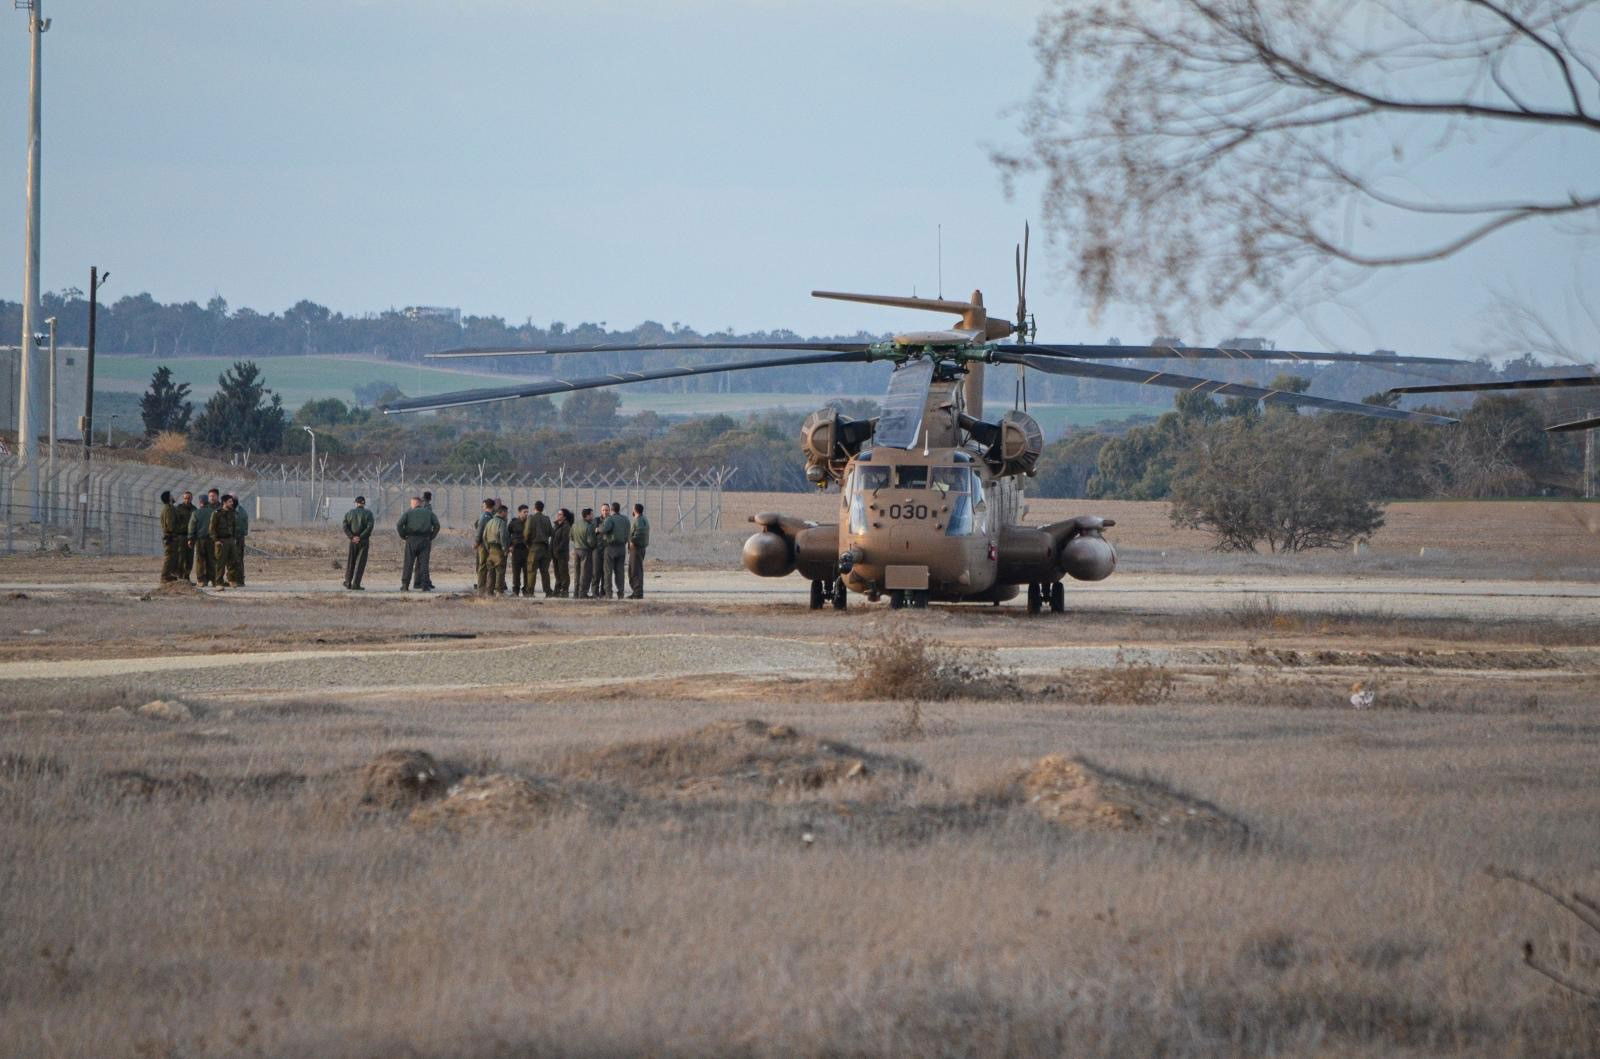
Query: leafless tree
[(1203, 152)]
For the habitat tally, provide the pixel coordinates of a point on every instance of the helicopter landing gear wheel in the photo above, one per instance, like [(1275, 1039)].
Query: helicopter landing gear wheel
[(840, 596), (1058, 598), (1035, 597), (816, 595), (897, 599)]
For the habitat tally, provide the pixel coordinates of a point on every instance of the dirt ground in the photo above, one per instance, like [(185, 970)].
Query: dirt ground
[(1224, 805)]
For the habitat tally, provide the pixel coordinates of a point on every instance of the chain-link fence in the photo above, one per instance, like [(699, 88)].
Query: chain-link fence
[(112, 506), (675, 500)]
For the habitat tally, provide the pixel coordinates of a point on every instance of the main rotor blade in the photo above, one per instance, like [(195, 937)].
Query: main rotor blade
[(1216, 353), (1212, 386), (1515, 384), (523, 351), (538, 389), (1592, 423)]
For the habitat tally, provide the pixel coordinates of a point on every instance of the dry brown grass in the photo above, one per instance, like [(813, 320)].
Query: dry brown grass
[(240, 918), (641, 871), (900, 659), (169, 448)]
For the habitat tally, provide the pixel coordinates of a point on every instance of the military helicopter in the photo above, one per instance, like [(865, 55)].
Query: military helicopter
[(930, 491)]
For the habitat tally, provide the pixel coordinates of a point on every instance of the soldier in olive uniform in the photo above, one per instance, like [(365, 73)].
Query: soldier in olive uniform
[(358, 523), (601, 579), (223, 538), (477, 539), (638, 541), (417, 528), (583, 552), (171, 545), (519, 549), (561, 552), (614, 531), (186, 510), (539, 531), (200, 538), (427, 550), (503, 512), (241, 530), (495, 541)]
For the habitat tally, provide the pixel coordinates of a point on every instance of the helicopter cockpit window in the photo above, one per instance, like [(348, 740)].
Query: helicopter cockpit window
[(911, 477), (968, 514), (869, 479), (961, 522), (950, 479)]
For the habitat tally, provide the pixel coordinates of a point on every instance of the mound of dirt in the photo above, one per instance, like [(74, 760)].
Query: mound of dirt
[(400, 779), (174, 588), (1077, 793), (496, 799), (166, 710), (736, 757)]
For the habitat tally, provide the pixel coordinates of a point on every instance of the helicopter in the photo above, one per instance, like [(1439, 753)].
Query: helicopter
[(930, 491)]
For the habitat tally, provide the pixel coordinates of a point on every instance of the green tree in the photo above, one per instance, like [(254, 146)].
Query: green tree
[(163, 406), (474, 450), (590, 408), (323, 412), (1288, 481), (240, 415)]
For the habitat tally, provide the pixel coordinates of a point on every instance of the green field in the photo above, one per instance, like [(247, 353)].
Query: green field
[(301, 379), (298, 379)]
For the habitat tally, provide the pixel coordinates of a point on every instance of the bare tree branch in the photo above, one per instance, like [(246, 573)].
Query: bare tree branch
[(1555, 53), (1196, 151), (1530, 958)]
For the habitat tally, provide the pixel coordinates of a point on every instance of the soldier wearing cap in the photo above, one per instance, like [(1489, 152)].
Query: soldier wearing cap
[(358, 523)]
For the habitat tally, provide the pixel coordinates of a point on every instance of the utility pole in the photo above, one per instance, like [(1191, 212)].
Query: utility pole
[(28, 378), (1589, 488), (96, 281)]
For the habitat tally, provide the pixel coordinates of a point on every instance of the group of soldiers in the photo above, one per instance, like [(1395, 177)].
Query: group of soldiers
[(533, 545), (586, 556), (203, 543)]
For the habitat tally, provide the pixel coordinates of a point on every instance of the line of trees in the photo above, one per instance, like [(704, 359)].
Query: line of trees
[(1500, 448)]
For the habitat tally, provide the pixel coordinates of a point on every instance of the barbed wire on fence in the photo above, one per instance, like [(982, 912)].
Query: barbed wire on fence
[(110, 506)]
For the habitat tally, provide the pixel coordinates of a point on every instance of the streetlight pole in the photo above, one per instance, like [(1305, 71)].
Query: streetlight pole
[(313, 434)]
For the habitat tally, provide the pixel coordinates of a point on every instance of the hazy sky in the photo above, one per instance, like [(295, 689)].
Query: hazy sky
[(703, 161)]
